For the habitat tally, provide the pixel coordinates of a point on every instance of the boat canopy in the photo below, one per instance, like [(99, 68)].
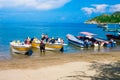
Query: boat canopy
[(87, 33)]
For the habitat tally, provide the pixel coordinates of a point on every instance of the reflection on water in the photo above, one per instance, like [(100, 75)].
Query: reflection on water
[(36, 53), (93, 49)]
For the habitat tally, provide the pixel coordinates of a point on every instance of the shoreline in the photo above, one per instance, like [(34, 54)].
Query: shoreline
[(99, 23)]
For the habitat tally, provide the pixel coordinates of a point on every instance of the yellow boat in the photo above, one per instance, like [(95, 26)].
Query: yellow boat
[(53, 46), (48, 46), (20, 48)]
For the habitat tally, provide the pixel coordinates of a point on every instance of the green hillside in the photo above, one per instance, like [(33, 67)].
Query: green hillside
[(106, 18)]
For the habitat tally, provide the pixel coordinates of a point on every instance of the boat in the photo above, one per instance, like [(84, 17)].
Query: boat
[(75, 41), (114, 37), (48, 46), (112, 29), (91, 37), (115, 30), (55, 46), (102, 25), (18, 47)]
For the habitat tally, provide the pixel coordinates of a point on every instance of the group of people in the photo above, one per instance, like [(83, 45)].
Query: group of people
[(52, 40), (89, 42), (44, 39)]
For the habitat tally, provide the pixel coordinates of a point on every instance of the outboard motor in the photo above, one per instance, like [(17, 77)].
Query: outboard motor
[(29, 53)]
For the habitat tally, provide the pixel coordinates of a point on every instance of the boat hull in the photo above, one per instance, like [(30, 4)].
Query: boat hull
[(20, 48), (48, 46), (73, 40), (75, 43), (35, 45)]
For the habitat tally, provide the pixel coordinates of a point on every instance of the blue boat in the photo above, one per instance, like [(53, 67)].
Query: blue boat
[(86, 41), (75, 41)]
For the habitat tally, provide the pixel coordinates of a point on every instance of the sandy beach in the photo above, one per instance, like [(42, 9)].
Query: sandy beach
[(85, 66)]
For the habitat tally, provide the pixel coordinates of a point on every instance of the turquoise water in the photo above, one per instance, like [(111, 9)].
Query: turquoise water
[(19, 31)]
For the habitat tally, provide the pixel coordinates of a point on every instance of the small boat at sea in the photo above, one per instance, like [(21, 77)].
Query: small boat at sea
[(114, 37), (18, 47), (102, 25), (75, 41), (112, 29)]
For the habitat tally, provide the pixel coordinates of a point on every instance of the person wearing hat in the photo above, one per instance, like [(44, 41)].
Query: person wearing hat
[(53, 40)]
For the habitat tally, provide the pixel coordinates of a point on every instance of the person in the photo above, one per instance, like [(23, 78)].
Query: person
[(46, 38), (42, 48), (42, 36), (96, 44), (112, 43), (87, 43), (52, 40), (27, 41), (59, 40)]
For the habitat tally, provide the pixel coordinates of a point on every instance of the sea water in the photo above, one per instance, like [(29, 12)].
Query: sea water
[(20, 31)]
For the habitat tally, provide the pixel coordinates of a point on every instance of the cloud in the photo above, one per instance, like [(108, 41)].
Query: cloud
[(101, 8), (88, 10), (114, 8), (95, 8), (35, 4)]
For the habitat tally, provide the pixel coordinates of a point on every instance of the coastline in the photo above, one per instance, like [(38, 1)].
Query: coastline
[(99, 23), (57, 67)]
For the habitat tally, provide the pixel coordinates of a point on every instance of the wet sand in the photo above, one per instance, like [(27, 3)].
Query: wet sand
[(75, 66)]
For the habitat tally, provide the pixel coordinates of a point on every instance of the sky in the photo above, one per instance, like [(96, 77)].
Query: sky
[(63, 11)]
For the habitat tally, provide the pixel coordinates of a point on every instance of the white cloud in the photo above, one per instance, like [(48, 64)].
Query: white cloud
[(37, 4), (114, 8), (101, 8), (88, 10), (95, 8)]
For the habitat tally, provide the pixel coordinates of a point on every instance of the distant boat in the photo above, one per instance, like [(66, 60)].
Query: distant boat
[(19, 48), (102, 25), (75, 41), (114, 37), (112, 29)]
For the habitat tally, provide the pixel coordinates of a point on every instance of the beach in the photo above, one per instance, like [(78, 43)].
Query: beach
[(59, 40), (83, 66)]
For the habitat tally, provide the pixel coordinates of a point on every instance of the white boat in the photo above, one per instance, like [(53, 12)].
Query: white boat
[(73, 40), (20, 47), (102, 25)]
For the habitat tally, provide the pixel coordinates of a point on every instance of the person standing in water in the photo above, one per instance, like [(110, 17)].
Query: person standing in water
[(42, 48)]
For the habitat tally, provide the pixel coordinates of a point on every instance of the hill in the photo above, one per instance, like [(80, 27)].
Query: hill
[(106, 18)]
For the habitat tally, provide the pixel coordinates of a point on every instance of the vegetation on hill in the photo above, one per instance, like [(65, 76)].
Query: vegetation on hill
[(106, 18)]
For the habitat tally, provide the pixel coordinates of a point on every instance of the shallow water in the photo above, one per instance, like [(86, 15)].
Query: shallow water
[(19, 31)]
